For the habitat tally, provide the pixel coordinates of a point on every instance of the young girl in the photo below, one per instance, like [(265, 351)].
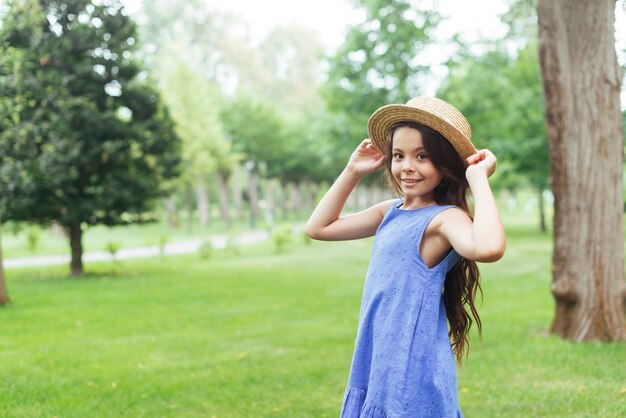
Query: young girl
[(423, 266)]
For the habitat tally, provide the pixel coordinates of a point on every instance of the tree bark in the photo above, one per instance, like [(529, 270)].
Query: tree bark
[(76, 245), (222, 188), (282, 200), (237, 193), (203, 201), (4, 294), (296, 198), (172, 212), (581, 83), (253, 197)]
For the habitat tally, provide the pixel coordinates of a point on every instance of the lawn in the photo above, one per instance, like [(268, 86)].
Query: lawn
[(260, 334)]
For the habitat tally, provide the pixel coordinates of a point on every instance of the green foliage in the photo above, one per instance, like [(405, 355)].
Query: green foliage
[(257, 132), (195, 106), (282, 237), (82, 138), (206, 249), (112, 248), (380, 62), (502, 98)]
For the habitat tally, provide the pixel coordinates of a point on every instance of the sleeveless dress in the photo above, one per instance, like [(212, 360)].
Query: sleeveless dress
[(403, 365)]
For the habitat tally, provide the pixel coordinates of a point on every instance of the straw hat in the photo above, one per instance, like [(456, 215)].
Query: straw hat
[(430, 111)]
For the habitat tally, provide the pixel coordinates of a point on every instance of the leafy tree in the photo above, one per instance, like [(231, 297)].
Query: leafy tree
[(83, 140), (380, 62), (501, 97), (195, 108), (257, 133)]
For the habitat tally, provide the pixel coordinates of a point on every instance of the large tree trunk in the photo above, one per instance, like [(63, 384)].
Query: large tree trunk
[(4, 294), (222, 188), (76, 244), (581, 82)]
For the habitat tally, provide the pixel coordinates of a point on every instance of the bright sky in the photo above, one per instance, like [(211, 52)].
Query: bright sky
[(331, 18)]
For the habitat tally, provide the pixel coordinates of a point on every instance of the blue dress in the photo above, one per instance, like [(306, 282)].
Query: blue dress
[(403, 365)]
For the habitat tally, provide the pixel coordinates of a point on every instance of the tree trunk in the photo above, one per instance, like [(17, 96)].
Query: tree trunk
[(203, 201), (76, 244), (581, 82), (283, 201), (542, 213), (222, 188), (268, 209), (253, 197), (190, 206), (172, 212), (4, 294), (296, 198), (237, 192)]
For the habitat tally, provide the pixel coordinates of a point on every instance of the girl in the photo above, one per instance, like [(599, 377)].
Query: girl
[(423, 266)]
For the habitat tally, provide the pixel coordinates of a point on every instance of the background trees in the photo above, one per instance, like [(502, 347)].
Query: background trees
[(83, 140)]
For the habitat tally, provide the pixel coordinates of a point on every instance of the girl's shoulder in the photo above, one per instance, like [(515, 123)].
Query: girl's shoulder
[(452, 215), (385, 205)]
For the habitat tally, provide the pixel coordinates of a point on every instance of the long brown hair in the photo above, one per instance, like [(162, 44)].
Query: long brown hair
[(463, 281)]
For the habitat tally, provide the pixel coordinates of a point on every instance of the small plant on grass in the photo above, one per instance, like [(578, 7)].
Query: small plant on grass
[(206, 249), (281, 238), (32, 238), (112, 248)]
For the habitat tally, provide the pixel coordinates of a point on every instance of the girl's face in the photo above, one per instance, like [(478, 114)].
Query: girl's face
[(412, 168)]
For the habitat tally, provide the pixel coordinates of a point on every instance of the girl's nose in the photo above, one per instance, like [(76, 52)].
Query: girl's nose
[(407, 165)]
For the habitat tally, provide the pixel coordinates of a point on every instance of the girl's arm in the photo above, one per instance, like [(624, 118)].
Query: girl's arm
[(325, 222), (482, 239)]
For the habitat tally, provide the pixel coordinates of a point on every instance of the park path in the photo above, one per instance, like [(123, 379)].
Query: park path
[(173, 248)]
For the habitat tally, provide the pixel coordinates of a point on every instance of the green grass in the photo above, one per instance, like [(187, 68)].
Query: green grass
[(261, 334)]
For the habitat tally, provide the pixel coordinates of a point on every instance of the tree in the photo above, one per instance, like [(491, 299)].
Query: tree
[(257, 133), (195, 108), (381, 62), (581, 84), (83, 140), (501, 97)]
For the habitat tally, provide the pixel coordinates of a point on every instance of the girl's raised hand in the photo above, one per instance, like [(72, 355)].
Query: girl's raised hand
[(482, 160), (365, 158)]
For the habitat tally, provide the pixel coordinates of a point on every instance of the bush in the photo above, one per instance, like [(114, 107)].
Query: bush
[(112, 248), (206, 249), (32, 238), (281, 238)]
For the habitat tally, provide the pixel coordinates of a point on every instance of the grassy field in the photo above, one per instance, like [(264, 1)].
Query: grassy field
[(259, 334)]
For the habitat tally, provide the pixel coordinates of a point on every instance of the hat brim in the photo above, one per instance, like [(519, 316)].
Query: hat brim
[(384, 118)]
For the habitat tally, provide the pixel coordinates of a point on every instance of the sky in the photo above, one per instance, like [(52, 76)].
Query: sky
[(332, 18)]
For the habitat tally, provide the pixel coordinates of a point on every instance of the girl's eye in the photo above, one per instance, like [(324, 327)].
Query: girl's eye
[(422, 156), (397, 156)]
